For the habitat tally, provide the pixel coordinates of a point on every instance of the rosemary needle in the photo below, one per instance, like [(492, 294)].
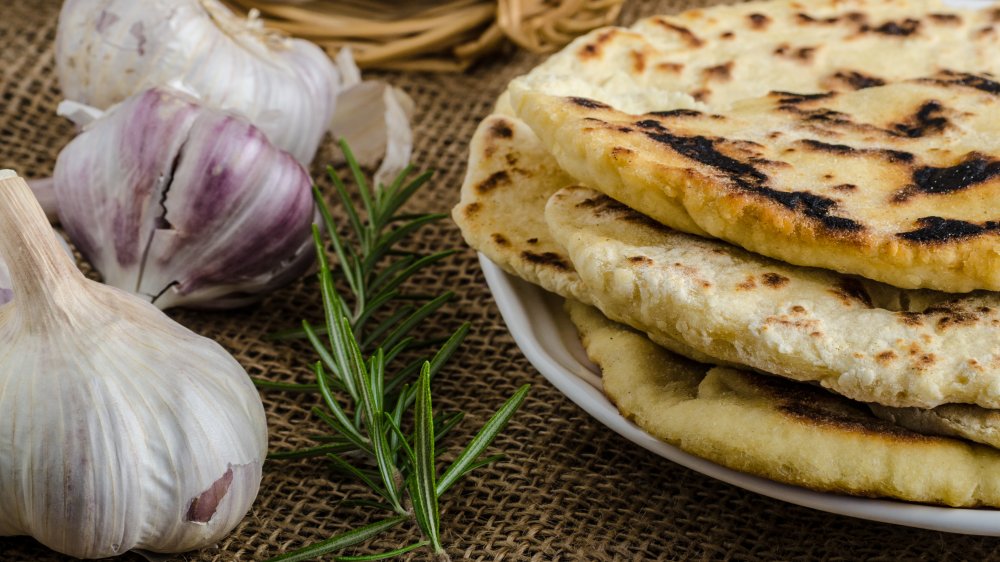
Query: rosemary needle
[(369, 394)]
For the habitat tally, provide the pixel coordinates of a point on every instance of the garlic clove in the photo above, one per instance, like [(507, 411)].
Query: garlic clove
[(108, 50), (374, 118), (121, 429), (185, 205)]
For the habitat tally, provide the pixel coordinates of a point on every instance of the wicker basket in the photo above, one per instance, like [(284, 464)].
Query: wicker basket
[(433, 35)]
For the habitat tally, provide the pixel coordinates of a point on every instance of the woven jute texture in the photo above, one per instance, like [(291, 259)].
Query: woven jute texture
[(570, 489)]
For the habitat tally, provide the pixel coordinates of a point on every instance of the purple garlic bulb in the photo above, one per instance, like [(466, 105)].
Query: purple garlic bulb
[(183, 204)]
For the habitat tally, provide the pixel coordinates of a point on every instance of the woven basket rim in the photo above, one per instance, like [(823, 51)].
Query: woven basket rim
[(448, 35)]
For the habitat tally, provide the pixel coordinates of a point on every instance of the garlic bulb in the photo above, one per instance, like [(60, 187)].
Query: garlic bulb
[(121, 429), (6, 290), (108, 50), (185, 205)]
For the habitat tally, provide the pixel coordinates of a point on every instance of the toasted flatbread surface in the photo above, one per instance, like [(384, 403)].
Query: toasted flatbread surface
[(501, 213), (864, 340), (709, 58), (895, 183), (502, 208), (525, 200), (779, 429)]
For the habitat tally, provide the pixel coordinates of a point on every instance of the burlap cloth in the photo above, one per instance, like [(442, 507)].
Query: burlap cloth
[(570, 489)]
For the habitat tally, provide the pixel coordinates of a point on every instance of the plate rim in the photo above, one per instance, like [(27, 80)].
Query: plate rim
[(535, 334)]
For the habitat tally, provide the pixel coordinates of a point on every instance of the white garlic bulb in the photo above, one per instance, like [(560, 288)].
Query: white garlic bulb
[(6, 290), (185, 205), (6, 287), (121, 429), (108, 50)]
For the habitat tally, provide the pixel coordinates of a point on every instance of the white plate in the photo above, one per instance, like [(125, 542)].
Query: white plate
[(549, 340)]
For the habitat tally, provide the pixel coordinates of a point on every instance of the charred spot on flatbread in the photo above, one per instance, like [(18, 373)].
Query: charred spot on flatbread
[(851, 80), (929, 119), (815, 406), (547, 259), (671, 67), (758, 21), (850, 291), (589, 103), (593, 49), (801, 54), (946, 19), (675, 113), (501, 129), (686, 35), (938, 230), (493, 181), (774, 280), (718, 73), (974, 169), (981, 82), (890, 155), (902, 28), (746, 177)]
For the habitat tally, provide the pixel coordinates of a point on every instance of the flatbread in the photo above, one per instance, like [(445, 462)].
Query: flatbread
[(861, 339), (501, 213), (709, 58), (887, 182), (956, 420), (502, 208), (789, 432), (491, 221)]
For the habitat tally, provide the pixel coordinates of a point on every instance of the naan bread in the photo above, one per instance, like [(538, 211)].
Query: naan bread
[(895, 183), (778, 429), (861, 339), (709, 58)]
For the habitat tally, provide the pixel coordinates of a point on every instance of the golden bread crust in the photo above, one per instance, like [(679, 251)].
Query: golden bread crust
[(894, 183), (777, 429), (861, 339)]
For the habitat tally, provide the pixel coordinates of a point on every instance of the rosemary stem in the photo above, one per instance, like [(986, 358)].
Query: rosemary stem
[(366, 372)]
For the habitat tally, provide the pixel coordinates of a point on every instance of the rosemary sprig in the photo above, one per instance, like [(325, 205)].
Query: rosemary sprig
[(370, 395)]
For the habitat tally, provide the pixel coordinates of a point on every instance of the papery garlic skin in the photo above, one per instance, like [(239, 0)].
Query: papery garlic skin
[(6, 292), (116, 419), (374, 118), (108, 50), (185, 205), (6, 287)]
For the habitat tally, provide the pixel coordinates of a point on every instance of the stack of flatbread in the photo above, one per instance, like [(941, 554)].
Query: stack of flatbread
[(776, 228)]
